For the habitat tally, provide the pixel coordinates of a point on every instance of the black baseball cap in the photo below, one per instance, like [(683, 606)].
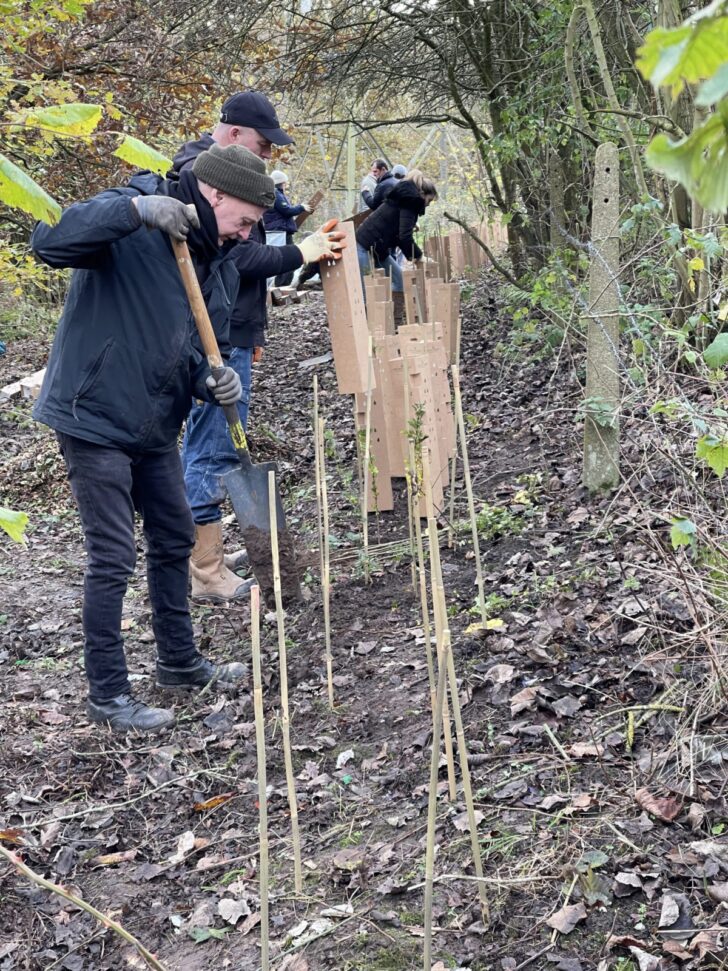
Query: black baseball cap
[(250, 109)]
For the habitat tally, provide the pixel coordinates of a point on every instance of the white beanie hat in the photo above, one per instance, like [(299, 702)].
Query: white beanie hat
[(278, 176)]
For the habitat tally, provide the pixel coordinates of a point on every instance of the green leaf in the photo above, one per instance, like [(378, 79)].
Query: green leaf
[(13, 523), (201, 934), (136, 153), (682, 532), (686, 54), (716, 353), (714, 452), (69, 119), (713, 89), (20, 191), (699, 162)]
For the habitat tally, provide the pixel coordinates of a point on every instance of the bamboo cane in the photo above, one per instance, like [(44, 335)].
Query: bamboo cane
[(262, 781), (283, 662), (451, 516), (440, 615), (317, 464), (326, 572), (469, 491), (458, 334), (367, 447), (432, 816), (416, 480), (449, 662)]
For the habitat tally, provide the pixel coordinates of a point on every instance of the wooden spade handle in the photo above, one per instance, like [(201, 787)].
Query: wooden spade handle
[(197, 302), (209, 342)]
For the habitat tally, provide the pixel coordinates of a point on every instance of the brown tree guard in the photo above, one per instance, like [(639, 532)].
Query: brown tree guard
[(601, 425)]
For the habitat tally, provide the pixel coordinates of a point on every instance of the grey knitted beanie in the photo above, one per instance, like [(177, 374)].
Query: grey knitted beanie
[(238, 172)]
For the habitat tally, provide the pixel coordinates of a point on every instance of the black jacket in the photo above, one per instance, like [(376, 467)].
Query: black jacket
[(255, 263), (393, 223), (384, 187), (126, 361), (282, 217)]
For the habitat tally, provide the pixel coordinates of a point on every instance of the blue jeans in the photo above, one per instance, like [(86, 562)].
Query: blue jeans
[(109, 484), (390, 267), (207, 449)]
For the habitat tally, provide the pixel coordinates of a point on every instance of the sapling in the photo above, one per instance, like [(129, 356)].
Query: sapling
[(469, 490), (283, 664), (262, 776)]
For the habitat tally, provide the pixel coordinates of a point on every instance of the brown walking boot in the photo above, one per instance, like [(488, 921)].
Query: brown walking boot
[(211, 580)]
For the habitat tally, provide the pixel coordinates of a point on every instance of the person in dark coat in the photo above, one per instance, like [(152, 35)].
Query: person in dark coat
[(385, 185), (249, 119), (282, 218), (371, 180), (123, 369), (391, 226)]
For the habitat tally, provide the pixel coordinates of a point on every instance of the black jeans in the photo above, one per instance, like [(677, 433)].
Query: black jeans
[(108, 484)]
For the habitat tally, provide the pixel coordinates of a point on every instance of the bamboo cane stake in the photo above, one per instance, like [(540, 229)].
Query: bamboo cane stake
[(440, 615), (451, 516), (458, 334), (317, 464), (326, 572), (449, 662), (432, 817), (416, 477), (262, 780), (283, 663), (60, 891), (469, 490), (367, 447)]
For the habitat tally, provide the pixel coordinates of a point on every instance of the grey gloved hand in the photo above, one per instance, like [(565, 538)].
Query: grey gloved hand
[(226, 388), (169, 215)]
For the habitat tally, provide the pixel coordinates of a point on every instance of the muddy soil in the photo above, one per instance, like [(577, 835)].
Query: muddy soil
[(590, 818)]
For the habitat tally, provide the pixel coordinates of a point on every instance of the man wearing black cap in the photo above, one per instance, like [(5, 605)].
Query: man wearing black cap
[(249, 119), (123, 369)]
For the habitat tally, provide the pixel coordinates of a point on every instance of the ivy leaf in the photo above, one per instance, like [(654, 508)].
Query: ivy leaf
[(142, 156), (716, 353), (20, 191), (713, 451), (67, 119), (682, 533), (13, 523)]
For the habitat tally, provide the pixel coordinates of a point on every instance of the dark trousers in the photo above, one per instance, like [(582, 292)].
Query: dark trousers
[(109, 484)]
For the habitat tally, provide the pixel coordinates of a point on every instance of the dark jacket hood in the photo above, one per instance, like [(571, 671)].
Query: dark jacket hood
[(188, 153)]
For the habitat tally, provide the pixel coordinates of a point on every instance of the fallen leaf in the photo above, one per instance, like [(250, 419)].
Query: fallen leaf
[(645, 961), (500, 673), (461, 821), (567, 706), (664, 808), (338, 910), (718, 892), (112, 859), (711, 941), (350, 858), (232, 910), (583, 750), (522, 700), (566, 919), (696, 815), (344, 757), (626, 883), (12, 836), (201, 807)]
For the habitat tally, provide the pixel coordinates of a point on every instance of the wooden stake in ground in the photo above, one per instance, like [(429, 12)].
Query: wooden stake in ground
[(262, 775), (602, 394), (326, 568), (317, 465), (447, 660), (105, 921), (366, 459), (283, 664), (469, 490)]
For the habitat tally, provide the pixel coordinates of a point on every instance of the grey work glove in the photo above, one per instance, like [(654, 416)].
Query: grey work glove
[(226, 387), (169, 215)]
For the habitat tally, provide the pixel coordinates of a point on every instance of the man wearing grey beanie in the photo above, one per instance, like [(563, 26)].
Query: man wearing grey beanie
[(124, 368)]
